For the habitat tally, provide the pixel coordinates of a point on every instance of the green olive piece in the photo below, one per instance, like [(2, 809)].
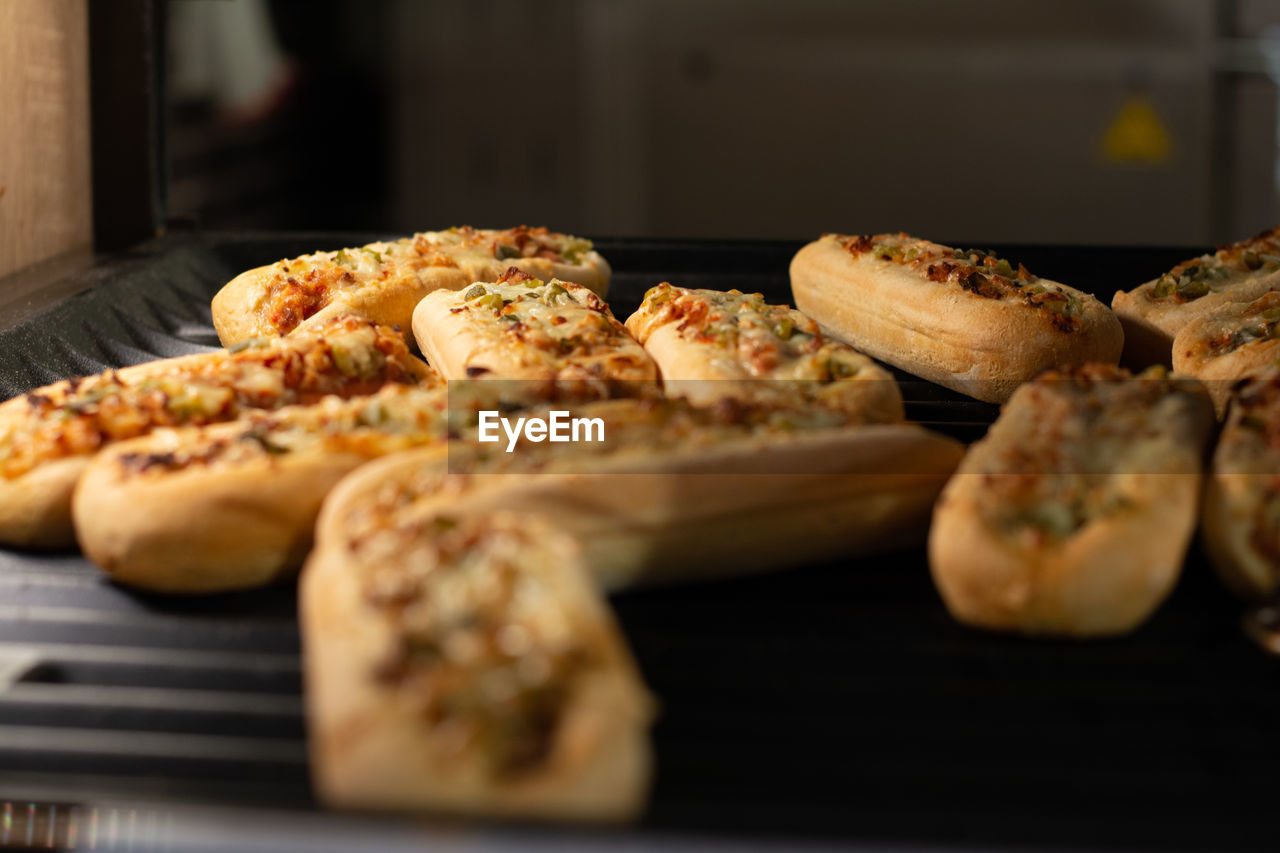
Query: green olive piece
[(1004, 268), (784, 329), (473, 291), (1270, 315), (504, 252)]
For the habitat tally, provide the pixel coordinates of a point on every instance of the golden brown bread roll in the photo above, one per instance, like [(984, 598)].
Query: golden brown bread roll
[(961, 318)]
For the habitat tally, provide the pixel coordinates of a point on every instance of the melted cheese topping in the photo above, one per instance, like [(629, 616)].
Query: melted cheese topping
[(972, 270), (769, 353), (1061, 453), (527, 328), (301, 287), (79, 416), (1225, 269), (1239, 325), (486, 648), (398, 417)]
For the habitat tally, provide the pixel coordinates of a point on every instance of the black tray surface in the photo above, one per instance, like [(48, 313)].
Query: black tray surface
[(831, 703)]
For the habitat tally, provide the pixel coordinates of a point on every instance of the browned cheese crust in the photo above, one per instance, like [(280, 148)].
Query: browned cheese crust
[(1225, 345), (710, 345), (464, 663), (384, 281), (961, 318), (524, 328), (1242, 501), (1072, 516), (1154, 313), (48, 435)]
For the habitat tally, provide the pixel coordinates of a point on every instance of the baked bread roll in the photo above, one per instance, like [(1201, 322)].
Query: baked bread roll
[(522, 328), (48, 435), (710, 345), (463, 663), (233, 506), (677, 493), (1242, 500), (1225, 345), (1072, 516), (1153, 313), (961, 318), (384, 281)]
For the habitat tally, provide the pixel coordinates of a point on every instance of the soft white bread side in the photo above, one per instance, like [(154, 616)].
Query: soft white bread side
[(383, 281), (1153, 313), (1073, 515), (464, 664), (965, 320), (1222, 347), (714, 345), (1242, 500)]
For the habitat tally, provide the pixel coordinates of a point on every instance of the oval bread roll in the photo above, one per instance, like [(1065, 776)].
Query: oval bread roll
[(963, 319), (1072, 516), (233, 506), (524, 328), (48, 435), (712, 345), (1225, 345), (1153, 313), (464, 664), (384, 281), (1242, 500), (675, 493)]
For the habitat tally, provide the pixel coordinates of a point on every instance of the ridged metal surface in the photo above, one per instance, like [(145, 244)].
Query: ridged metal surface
[(834, 702)]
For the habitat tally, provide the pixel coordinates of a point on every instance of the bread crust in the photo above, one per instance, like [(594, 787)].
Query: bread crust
[(1224, 346), (1153, 313), (372, 748), (384, 281), (1241, 515), (550, 331), (734, 505), (980, 345), (203, 530), (1105, 573), (714, 345), (233, 506), (48, 435)]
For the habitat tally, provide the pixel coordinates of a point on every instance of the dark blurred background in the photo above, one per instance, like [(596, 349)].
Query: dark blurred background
[(1000, 121)]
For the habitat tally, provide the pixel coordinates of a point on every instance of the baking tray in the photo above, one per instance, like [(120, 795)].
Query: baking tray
[(827, 704)]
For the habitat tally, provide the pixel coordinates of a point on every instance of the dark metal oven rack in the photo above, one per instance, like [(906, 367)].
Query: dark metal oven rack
[(831, 703)]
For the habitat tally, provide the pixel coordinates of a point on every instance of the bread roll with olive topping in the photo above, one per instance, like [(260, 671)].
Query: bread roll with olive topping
[(961, 318), (464, 663), (1072, 516), (1153, 313), (1242, 500), (383, 281), (713, 345), (48, 436), (524, 328), (1224, 346)]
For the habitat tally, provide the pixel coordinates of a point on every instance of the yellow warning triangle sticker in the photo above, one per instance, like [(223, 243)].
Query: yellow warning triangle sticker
[(1137, 135)]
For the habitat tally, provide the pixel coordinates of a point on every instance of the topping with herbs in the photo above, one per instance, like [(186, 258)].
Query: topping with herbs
[(1052, 469), (346, 357), (1197, 277), (974, 270), (485, 648)]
